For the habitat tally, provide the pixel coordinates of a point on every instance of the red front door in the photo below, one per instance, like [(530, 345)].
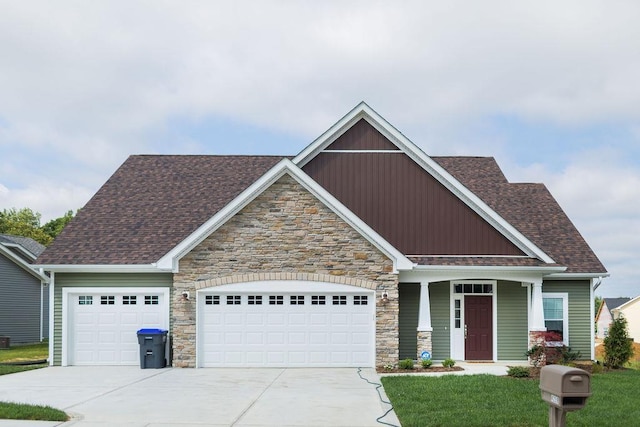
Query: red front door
[(478, 343)]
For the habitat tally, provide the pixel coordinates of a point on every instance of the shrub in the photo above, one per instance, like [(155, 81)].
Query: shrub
[(448, 362), (426, 363), (618, 348), (406, 364), (548, 352), (519, 372)]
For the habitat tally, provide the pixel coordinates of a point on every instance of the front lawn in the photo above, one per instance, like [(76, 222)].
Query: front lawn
[(19, 359), (486, 400)]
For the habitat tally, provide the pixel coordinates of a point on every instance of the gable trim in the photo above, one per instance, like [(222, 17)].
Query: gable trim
[(363, 111), (33, 270), (626, 304), (171, 260)]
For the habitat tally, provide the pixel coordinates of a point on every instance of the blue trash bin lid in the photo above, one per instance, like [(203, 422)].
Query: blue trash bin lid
[(152, 331)]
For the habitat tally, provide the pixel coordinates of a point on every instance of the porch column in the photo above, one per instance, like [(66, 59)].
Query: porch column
[(537, 311), (424, 320)]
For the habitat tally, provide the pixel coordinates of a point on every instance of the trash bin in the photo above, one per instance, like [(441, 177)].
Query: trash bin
[(5, 343), (153, 343)]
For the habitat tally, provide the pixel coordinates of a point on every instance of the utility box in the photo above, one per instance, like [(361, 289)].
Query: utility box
[(5, 343), (153, 343), (564, 389)]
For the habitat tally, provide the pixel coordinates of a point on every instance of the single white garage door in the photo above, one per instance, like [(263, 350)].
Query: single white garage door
[(286, 324), (102, 325)]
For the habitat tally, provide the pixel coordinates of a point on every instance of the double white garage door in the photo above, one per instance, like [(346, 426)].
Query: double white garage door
[(251, 324), (286, 324)]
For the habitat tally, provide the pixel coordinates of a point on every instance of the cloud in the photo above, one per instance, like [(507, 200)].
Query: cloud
[(84, 84)]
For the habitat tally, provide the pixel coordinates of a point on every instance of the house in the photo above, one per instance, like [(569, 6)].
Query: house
[(359, 251), (24, 297), (604, 316), (630, 310)]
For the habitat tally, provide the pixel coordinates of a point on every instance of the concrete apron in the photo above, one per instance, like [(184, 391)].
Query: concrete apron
[(101, 396)]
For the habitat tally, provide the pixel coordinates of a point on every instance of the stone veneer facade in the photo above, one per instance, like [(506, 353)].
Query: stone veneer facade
[(284, 234)]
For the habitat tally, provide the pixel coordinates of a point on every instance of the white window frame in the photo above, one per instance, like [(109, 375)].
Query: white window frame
[(565, 316)]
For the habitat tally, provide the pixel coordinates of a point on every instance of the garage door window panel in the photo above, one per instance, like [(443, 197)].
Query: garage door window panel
[(107, 300)]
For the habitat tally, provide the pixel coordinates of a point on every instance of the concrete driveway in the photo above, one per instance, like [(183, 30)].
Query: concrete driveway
[(119, 396)]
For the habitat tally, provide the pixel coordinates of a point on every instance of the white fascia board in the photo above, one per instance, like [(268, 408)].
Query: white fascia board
[(285, 166), (21, 248), (29, 268), (102, 268), (363, 111), (573, 276), (627, 304)]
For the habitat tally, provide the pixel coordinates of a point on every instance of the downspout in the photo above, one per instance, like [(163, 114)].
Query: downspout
[(52, 286), (41, 307), (593, 316)]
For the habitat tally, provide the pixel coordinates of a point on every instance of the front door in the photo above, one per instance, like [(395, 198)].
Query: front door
[(478, 343)]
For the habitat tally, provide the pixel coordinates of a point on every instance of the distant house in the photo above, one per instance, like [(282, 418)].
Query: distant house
[(631, 311), (24, 296), (604, 317)]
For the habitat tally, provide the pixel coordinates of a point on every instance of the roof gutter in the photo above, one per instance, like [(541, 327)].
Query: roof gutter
[(569, 276), (551, 271), (103, 268)]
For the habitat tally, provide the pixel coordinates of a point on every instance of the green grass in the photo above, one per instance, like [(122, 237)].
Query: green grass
[(485, 400), (19, 411), (21, 353)]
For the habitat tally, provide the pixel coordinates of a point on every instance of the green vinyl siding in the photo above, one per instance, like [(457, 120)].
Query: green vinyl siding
[(102, 280), (513, 335), (408, 319), (439, 294), (579, 312)]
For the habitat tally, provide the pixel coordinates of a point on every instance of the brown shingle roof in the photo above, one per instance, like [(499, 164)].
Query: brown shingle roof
[(530, 208), (150, 204)]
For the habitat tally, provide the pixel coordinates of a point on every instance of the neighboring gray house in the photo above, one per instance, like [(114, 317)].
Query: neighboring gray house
[(24, 295)]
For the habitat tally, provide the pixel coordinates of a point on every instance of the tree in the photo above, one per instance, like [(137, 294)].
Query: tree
[(25, 223), (55, 226), (618, 348), (597, 302)]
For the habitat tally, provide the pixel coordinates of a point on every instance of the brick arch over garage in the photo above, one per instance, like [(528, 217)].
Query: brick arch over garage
[(262, 277)]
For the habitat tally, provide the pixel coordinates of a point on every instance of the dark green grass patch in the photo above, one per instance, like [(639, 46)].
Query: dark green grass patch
[(22, 353), (12, 369), (20, 411), (486, 400)]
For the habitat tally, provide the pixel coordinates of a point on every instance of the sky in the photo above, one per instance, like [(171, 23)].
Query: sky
[(550, 89)]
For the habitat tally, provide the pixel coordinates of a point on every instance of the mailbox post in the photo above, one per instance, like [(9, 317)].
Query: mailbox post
[(565, 389)]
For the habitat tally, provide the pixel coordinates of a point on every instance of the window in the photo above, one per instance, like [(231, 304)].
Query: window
[(233, 299), (339, 300), (255, 300), (458, 313), (129, 300), (318, 300), (556, 316), (276, 300), (472, 288), (212, 300), (297, 300), (360, 300), (151, 300), (85, 300), (107, 300)]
